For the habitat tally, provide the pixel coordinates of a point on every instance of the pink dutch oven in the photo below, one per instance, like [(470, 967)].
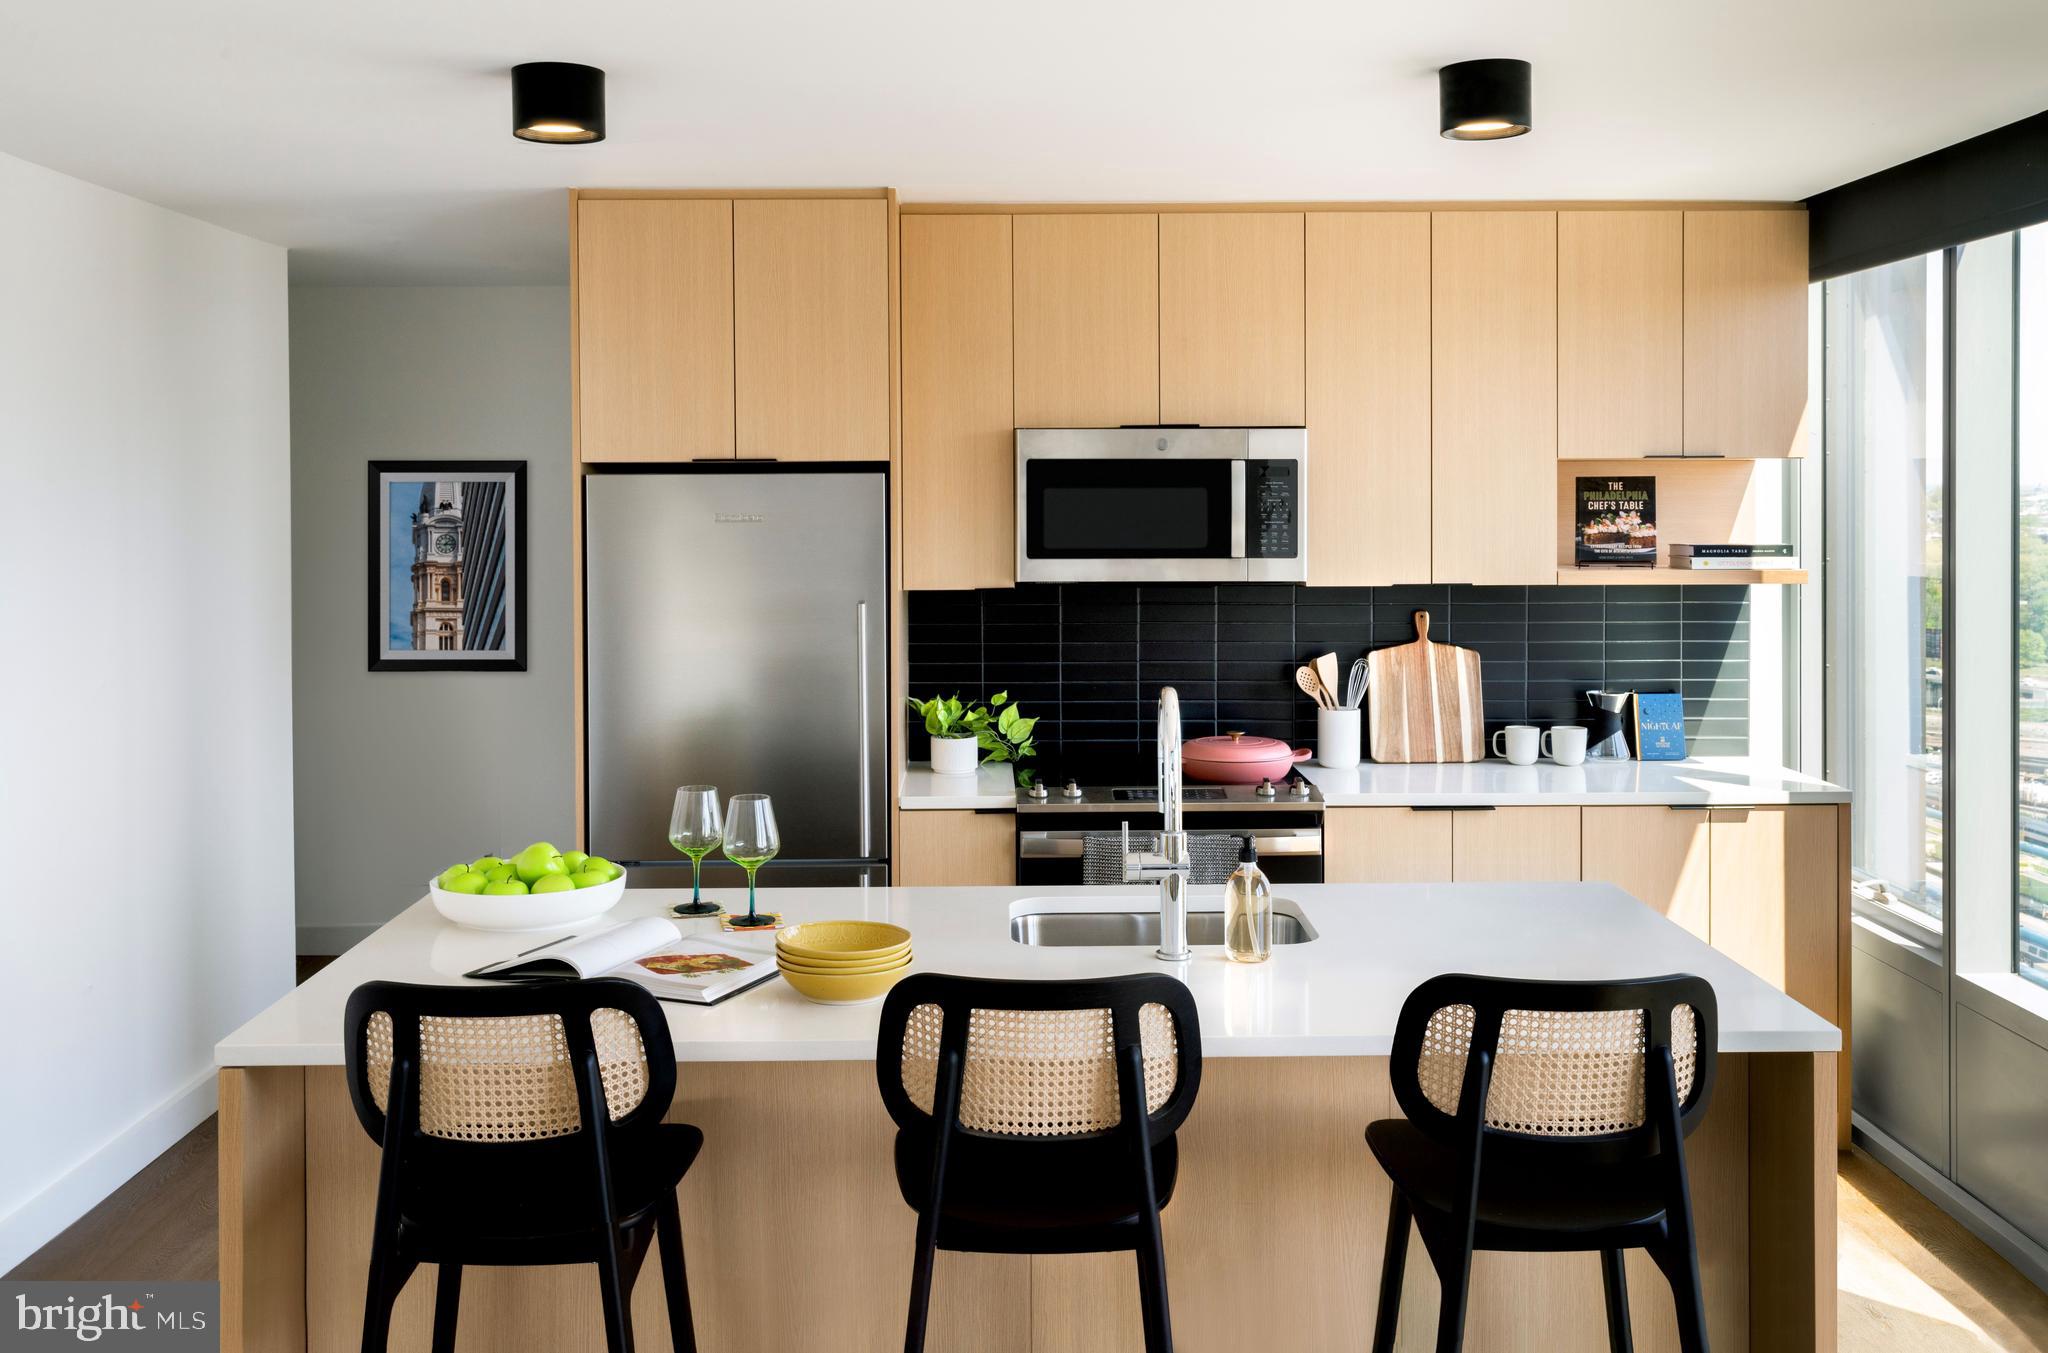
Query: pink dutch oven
[(1239, 759)]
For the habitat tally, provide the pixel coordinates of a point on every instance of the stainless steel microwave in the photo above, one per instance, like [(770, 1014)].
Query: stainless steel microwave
[(1162, 504)]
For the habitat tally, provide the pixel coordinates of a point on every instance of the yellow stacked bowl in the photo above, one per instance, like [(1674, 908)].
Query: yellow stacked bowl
[(842, 962)]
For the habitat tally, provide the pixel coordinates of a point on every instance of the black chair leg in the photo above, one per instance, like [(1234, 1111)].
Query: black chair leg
[(613, 1293), (675, 1282), (921, 1281), (1152, 1298), (1456, 1277), (1392, 1264), (1614, 1278), (388, 1273), (447, 1301), (1681, 1265)]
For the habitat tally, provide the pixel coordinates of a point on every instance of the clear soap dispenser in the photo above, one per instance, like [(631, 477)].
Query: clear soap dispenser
[(1248, 909)]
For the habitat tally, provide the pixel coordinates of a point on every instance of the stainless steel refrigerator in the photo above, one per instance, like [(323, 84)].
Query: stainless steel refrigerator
[(735, 634)]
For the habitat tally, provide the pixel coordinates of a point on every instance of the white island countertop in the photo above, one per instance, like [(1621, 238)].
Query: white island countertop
[(1698, 781), (1336, 995)]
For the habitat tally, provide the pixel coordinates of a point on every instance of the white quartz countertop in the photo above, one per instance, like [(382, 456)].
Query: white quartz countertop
[(991, 786), (1700, 780), (1336, 995)]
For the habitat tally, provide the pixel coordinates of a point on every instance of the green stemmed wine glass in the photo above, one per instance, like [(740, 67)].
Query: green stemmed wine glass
[(750, 842), (694, 830)]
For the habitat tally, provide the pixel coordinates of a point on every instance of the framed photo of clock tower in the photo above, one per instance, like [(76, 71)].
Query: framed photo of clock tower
[(447, 555)]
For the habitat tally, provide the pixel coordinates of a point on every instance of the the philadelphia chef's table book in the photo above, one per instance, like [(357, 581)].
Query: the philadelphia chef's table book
[(1616, 521), (700, 970)]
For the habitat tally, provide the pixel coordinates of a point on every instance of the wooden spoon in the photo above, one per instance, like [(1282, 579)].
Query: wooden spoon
[(1326, 676), (1305, 677)]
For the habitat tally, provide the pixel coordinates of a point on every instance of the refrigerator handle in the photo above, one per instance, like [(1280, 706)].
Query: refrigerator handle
[(860, 645)]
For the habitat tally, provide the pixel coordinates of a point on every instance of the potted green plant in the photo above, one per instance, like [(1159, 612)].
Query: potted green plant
[(965, 735)]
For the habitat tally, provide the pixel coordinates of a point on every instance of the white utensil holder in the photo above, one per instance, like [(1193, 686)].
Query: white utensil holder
[(1337, 737)]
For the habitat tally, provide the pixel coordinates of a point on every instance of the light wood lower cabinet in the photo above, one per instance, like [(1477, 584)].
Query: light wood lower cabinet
[(1515, 845), (1653, 853), (1386, 845), (947, 847)]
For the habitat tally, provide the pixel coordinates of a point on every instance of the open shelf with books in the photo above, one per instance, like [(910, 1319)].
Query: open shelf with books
[(1640, 508)]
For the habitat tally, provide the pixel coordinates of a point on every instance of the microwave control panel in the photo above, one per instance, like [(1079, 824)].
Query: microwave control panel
[(1272, 509)]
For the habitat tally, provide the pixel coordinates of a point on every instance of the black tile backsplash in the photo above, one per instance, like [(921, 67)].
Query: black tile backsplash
[(1089, 659)]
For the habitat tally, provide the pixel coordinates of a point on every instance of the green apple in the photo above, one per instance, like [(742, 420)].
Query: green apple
[(505, 888), (598, 865), (484, 864), (553, 883), (468, 881), (537, 861), (451, 873), (589, 879), (572, 861), (498, 872)]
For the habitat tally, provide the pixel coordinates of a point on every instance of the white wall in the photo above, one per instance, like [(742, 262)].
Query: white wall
[(402, 773), (145, 679)]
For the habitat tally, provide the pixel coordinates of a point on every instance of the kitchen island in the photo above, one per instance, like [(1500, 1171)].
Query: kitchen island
[(798, 1239)]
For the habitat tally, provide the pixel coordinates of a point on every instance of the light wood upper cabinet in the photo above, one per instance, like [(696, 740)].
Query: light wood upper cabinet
[(1656, 854), (1386, 845), (1368, 397), (1493, 387), (1745, 333), (811, 328), (959, 478), (1231, 314), (1775, 897), (1087, 319), (1515, 845), (654, 329), (1620, 333)]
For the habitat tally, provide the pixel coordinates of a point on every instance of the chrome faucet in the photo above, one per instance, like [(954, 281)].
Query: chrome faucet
[(1170, 864)]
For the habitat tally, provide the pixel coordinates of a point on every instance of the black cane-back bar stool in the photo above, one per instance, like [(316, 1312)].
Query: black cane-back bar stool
[(1039, 1118), (520, 1125), (1546, 1116)]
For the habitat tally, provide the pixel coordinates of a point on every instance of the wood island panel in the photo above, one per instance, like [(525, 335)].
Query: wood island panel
[(262, 1208)]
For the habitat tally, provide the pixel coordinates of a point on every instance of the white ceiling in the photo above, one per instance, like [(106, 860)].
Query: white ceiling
[(372, 136)]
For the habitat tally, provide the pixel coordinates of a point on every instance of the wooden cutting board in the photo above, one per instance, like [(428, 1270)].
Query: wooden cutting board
[(1425, 702)]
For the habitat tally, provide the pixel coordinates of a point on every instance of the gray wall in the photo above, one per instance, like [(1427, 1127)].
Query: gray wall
[(399, 774)]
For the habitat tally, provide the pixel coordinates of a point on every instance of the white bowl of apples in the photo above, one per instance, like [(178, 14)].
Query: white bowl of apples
[(540, 888)]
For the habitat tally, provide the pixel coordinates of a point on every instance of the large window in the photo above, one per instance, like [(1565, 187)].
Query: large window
[(1884, 429), (2030, 609)]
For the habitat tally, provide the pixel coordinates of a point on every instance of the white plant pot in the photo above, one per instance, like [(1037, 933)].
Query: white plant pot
[(955, 756)]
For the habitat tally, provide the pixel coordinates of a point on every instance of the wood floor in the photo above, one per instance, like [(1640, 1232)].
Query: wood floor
[(1912, 1280)]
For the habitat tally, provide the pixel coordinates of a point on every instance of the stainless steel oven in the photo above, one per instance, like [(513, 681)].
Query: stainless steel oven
[(1162, 504), (1052, 832)]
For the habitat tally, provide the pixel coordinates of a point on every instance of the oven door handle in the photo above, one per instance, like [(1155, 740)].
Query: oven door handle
[(1068, 845)]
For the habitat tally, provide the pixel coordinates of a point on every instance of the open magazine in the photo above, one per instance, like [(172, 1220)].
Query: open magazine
[(701, 970)]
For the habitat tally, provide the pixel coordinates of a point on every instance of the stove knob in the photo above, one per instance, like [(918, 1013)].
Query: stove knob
[(1265, 790), (1299, 787), (1072, 791), (1037, 790)]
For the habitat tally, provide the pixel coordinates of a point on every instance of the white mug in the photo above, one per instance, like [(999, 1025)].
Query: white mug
[(1523, 743), (1565, 744)]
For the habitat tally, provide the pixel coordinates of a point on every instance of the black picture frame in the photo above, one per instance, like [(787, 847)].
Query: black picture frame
[(382, 657)]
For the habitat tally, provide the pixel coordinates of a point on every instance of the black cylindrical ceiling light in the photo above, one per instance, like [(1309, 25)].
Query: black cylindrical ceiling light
[(1484, 100), (558, 102)]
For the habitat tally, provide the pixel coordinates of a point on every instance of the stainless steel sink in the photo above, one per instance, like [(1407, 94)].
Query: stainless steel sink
[(1136, 928)]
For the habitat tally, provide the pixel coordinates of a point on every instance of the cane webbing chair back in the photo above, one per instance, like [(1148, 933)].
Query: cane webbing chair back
[(506, 1065), (1567, 1061), (1039, 1059)]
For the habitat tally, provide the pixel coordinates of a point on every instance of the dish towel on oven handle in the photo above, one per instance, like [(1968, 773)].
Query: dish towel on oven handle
[(1212, 856)]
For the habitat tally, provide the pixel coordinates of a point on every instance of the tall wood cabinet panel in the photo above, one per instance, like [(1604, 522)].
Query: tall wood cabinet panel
[(1493, 395), (1515, 845), (1654, 853), (811, 328), (1386, 845), (1087, 319), (959, 477), (1620, 333), (1368, 396), (654, 329), (1231, 313), (1775, 897), (948, 847), (1745, 333)]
